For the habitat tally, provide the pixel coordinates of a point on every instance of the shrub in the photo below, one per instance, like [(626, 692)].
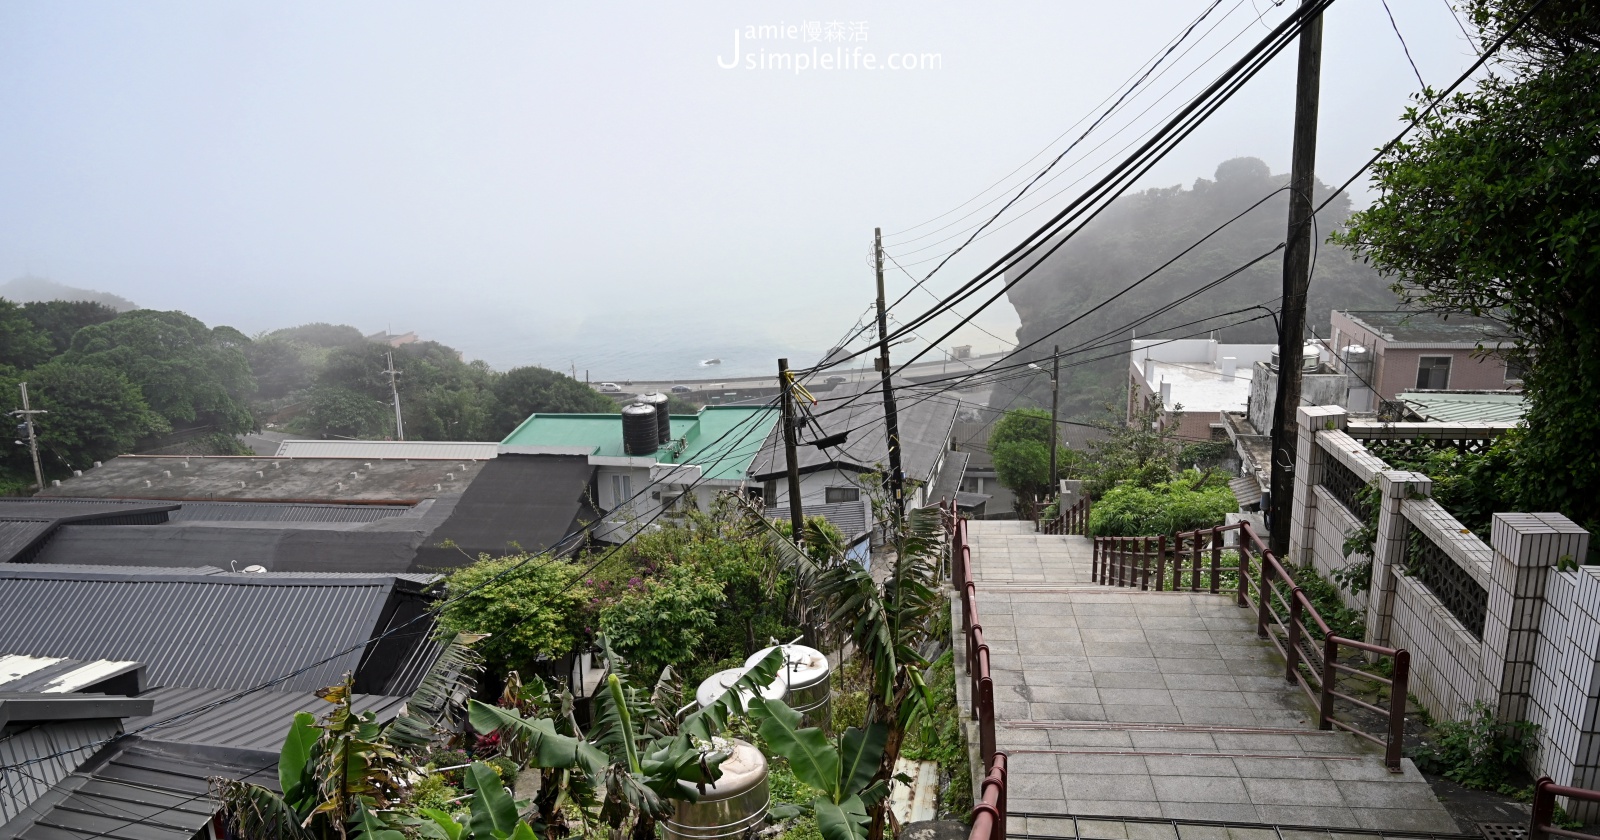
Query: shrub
[(530, 608), (1478, 752), (1187, 503)]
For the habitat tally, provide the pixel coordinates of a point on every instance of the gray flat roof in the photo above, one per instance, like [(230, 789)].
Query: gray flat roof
[(1427, 327)]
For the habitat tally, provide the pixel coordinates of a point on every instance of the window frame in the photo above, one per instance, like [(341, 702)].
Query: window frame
[(828, 495), (1425, 369)]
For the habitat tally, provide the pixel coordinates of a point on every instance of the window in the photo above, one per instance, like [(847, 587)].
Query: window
[(835, 495), (1514, 370), (1433, 373), (621, 490)]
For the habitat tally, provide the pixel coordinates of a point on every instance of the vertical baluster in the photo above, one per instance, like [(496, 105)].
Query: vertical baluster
[(1194, 579), (1292, 648), (1330, 674), (1244, 570), (1216, 560), (1397, 708), (1161, 571), (1263, 592), (1177, 562)]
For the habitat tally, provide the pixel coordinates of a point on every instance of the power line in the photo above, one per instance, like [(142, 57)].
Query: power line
[(1403, 47)]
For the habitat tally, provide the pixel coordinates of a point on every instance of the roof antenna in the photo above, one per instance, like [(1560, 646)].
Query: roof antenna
[(232, 567)]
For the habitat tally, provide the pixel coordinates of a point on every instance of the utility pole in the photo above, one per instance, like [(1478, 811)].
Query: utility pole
[(897, 476), (26, 414), (1296, 282), (1055, 393), (394, 389), (797, 519)]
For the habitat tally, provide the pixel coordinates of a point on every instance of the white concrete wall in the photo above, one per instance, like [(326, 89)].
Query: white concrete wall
[(1328, 530)]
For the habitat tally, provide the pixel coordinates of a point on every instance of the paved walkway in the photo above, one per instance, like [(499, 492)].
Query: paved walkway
[(1119, 703)]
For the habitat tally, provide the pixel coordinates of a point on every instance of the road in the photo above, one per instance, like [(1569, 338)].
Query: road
[(700, 387)]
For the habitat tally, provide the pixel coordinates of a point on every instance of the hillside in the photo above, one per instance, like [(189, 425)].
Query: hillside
[(1141, 231), (35, 289)]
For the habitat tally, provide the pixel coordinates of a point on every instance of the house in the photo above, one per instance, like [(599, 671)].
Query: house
[(210, 628), (845, 472), (1194, 381), (343, 514), (1393, 351), (704, 454)]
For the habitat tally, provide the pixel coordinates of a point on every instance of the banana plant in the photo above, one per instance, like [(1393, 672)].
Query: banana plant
[(493, 812), (889, 625), (339, 778), (843, 770), (635, 764)]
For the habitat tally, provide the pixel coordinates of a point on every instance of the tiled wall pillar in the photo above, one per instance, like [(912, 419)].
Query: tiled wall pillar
[(1308, 460), (1527, 546), (1389, 550)]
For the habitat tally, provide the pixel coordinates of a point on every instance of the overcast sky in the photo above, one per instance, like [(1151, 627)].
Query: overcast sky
[(589, 184)]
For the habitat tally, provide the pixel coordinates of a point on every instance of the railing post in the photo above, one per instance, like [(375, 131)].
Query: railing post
[(1292, 649), (1398, 691), (1216, 559), (1194, 579), (986, 716), (1161, 569), (1544, 809), (1244, 572), (1094, 561), (1144, 565), (1263, 593), (1330, 657), (1178, 560)]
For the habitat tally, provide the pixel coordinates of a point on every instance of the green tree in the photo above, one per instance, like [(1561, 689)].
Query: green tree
[(22, 343), (1142, 451), (60, 320), (1492, 207), (341, 412), (94, 415), (321, 334), (1020, 446), (529, 609), (527, 390), (191, 374)]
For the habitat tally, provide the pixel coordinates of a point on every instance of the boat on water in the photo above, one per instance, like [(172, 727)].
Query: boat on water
[(710, 362)]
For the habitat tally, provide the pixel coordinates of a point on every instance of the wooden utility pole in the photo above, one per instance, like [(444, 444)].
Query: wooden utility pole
[(797, 518), (1055, 401), (26, 414), (394, 389), (1296, 282), (897, 476)]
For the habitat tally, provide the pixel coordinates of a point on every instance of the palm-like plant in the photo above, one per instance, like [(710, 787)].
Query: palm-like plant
[(888, 625)]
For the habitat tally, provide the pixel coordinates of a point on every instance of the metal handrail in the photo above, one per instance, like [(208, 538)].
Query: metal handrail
[(1073, 520), (1541, 825), (1142, 562), (989, 811)]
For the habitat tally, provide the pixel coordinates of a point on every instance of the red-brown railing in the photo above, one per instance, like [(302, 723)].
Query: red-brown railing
[(1161, 562), (1541, 826), (1073, 520), (989, 811)]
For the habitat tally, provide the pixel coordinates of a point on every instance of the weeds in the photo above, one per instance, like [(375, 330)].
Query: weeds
[(1479, 752)]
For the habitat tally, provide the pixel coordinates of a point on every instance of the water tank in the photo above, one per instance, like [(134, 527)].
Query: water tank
[(639, 434), (658, 402), (810, 691), (1310, 356), (1358, 360), (734, 805), (717, 684)]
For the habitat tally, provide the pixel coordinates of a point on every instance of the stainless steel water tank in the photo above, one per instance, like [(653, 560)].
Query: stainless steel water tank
[(734, 805), (713, 686), (810, 691)]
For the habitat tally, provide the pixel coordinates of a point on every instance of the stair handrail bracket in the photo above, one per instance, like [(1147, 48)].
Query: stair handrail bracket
[(989, 809), (1285, 616)]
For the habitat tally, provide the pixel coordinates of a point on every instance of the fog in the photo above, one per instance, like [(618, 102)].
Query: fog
[(591, 185)]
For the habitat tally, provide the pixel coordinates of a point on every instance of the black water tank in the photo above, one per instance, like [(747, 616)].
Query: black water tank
[(663, 419), (639, 434)]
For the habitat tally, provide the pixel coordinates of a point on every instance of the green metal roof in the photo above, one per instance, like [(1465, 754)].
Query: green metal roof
[(721, 440), (1506, 408)]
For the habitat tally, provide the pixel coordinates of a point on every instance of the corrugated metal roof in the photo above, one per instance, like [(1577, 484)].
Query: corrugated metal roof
[(526, 502), (54, 674), (1440, 407), (950, 475), (68, 744), (416, 450), (924, 426), (255, 722), (283, 512), (1246, 490), (26, 524), (207, 630), (142, 790)]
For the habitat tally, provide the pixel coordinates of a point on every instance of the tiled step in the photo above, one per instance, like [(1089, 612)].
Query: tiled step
[(1089, 828)]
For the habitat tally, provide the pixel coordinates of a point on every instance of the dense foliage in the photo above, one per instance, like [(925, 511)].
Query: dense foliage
[(530, 608), (1141, 232), (1193, 500), (1492, 207), (1020, 446), (1141, 452)]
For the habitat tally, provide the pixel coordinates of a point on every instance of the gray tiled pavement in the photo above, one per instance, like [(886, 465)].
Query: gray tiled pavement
[(1119, 703)]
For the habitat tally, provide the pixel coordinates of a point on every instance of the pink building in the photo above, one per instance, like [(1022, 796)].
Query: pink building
[(1391, 352)]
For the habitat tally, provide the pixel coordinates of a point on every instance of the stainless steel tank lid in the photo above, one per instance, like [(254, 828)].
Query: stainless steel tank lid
[(744, 768), (805, 667), (713, 686)]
